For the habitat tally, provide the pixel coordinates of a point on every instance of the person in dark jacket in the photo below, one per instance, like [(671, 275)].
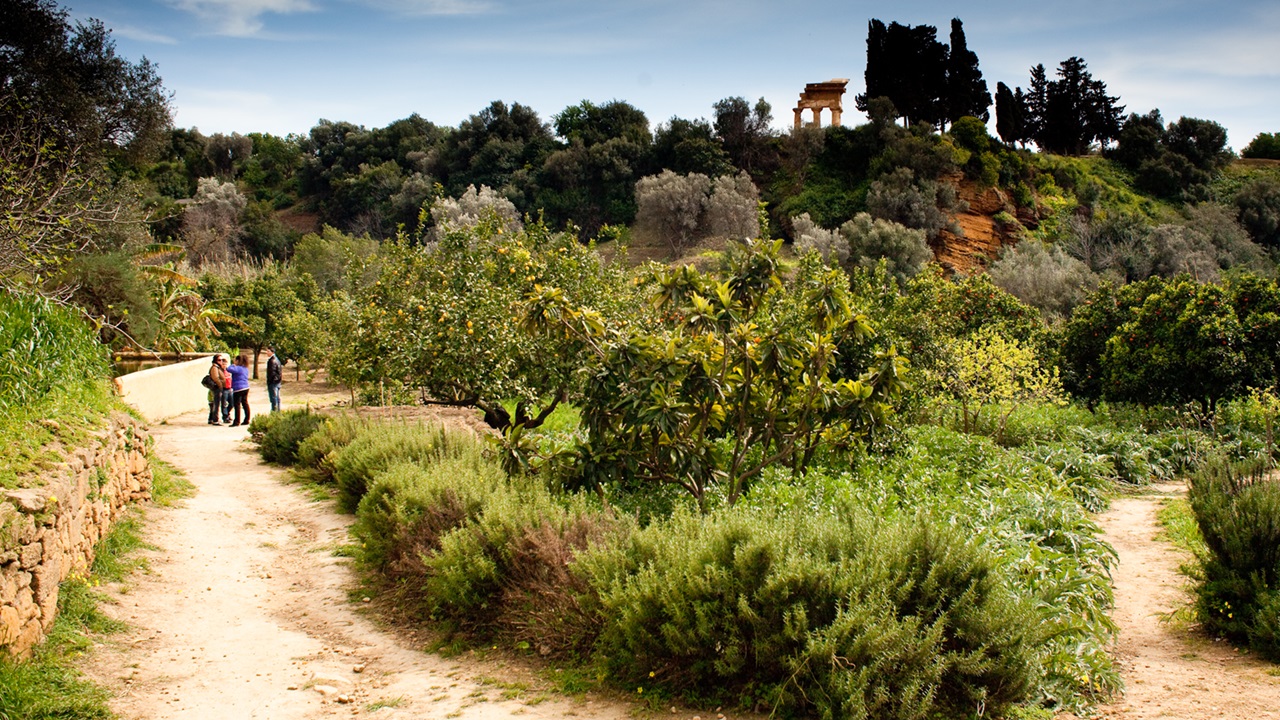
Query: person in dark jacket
[(275, 376)]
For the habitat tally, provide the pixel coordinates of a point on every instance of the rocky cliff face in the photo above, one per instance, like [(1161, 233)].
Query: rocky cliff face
[(982, 236), (48, 533)]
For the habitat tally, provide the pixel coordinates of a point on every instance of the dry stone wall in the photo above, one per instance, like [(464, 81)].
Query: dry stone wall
[(48, 533)]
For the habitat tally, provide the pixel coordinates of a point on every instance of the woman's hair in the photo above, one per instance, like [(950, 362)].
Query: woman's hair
[(242, 361)]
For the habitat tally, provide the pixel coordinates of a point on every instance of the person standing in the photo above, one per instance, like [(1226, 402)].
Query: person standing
[(227, 395), (218, 376), (275, 376), (240, 388)]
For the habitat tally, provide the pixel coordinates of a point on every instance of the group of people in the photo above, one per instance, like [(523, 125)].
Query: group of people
[(229, 394)]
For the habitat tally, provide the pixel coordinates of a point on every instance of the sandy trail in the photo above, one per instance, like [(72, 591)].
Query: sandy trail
[(1169, 672), (244, 612)]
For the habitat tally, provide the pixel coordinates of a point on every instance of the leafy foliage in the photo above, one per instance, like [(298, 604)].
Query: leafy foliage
[(1263, 146), (441, 318), (44, 349), (741, 378)]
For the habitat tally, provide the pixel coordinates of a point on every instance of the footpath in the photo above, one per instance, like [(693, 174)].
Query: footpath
[(1168, 671), (244, 612)]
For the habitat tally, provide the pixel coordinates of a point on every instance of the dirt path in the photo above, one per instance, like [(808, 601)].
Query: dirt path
[(244, 613), (1168, 671)]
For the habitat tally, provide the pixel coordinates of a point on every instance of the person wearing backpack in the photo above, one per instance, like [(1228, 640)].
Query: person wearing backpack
[(217, 379)]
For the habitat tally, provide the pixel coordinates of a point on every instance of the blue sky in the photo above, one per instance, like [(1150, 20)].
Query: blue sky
[(279, 66)]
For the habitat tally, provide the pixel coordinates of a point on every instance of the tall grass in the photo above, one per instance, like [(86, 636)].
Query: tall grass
[(51, 368)]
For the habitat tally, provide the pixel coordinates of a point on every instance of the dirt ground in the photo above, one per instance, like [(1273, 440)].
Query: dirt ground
[(245, 610), (1168, 670)]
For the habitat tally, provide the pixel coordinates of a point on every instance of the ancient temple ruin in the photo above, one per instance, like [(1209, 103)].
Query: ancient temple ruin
[(817, 96)]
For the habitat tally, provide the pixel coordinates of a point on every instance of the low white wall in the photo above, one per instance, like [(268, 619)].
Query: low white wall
[(164, 392)]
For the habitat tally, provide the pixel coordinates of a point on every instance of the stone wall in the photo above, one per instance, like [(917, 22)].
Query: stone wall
[(50, 532)]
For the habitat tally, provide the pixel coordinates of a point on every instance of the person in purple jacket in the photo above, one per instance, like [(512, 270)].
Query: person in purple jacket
[(240, 388)]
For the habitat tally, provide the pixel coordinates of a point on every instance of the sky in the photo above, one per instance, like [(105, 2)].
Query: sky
[(281, 66)]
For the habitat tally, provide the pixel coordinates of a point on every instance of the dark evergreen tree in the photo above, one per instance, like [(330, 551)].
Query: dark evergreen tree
[(689, 146), (68, 82), (1009, 112), (1069, 114), (908, 65), (1176, 162), (966, 91), (497, 147), (1036, 103)]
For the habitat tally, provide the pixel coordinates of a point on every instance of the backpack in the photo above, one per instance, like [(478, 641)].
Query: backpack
[(208, 382)]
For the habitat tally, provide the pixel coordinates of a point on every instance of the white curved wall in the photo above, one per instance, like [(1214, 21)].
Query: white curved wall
[(166, 391)]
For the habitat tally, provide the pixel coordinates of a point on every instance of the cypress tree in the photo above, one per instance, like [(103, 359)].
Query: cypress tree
[(1009, 121), (966, 91)]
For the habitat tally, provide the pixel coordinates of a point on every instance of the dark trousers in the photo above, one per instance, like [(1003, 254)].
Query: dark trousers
[(215, 404), (240, 399)]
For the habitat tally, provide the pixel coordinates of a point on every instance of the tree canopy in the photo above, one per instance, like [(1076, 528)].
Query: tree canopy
[(927, 80)]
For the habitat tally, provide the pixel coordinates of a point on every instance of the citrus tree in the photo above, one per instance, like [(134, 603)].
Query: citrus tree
[(737, 376), (1184, 343), (442, 318)]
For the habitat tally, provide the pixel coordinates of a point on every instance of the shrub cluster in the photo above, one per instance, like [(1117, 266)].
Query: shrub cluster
[(838, 614), (872, 606), (1237, 507), (279, 434)]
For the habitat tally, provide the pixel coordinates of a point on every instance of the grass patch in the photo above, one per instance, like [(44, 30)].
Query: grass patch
[(394, 702), (31, 442), (168, 483), (1178, 526), (47, 685)]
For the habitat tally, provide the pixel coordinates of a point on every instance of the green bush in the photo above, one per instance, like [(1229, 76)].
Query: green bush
[(319, 451), (841, 614), (410, 506), (1237, 508), (281, 433), (486, 555), (380, 445)]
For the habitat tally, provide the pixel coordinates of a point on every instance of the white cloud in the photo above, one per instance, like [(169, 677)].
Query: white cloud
[(141, 35), (243, 111), (240, 18), (434, 7)]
